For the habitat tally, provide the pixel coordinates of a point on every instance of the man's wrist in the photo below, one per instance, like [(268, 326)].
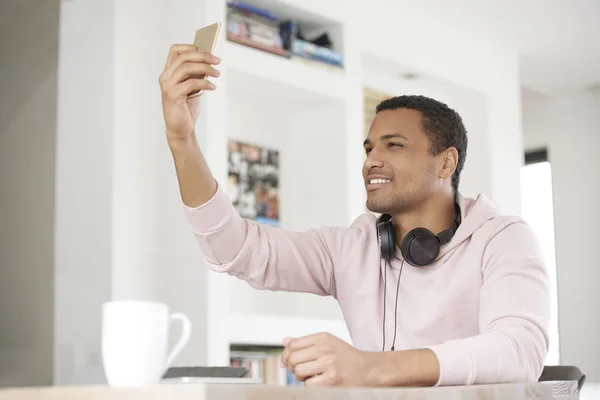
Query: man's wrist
[(402, 368), (182, 144)]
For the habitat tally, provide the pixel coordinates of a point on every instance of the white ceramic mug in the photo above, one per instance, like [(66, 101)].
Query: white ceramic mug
[(135, 336)]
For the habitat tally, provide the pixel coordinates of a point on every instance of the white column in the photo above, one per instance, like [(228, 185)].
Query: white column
[(120, 230), (355, 128), (85, 120), (505, 138), (140, 50)]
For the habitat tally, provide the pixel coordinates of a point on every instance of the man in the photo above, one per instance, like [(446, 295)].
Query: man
[(470, 305)]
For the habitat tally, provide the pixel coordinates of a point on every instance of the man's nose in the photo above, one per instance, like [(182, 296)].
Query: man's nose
[(373, 161)]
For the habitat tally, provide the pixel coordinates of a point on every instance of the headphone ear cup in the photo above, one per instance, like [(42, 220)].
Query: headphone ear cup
[(420, 247), (387, 239)]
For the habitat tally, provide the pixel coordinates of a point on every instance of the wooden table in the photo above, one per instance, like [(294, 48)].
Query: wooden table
[(538, 391)]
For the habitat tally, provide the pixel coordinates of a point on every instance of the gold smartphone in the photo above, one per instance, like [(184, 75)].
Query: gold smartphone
[(206, 40)]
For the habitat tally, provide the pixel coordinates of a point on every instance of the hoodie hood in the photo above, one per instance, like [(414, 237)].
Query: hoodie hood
[(475, 213)]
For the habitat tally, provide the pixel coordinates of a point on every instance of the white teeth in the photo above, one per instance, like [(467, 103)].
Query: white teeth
[(379, 181)]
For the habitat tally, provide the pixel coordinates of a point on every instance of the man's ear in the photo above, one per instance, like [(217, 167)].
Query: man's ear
[(449, 162)]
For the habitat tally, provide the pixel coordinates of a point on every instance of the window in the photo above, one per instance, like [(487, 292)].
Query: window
[(537, 209)]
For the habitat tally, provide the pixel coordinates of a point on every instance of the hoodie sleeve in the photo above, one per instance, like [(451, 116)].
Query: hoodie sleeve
[(514, 316), (264, 256)]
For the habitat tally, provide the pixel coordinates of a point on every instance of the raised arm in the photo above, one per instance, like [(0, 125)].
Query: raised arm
[(184, 73), (266, 257)]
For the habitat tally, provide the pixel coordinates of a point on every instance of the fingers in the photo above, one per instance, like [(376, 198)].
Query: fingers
[(184, 89), (185, 71), (295, 344), (318, 380), (307, 341), (178, 49), (192, 70), (288, 350), (309, 369), (190, 57), (302, 356), (285, 354)]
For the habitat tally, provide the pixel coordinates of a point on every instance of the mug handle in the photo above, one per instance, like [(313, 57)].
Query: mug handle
[(185, 336)]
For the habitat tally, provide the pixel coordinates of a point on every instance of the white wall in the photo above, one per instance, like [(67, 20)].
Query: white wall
[(27, 158), (569, 126), (306, 134)]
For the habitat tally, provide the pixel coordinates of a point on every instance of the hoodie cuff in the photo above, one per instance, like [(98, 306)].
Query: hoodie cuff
[(455, 364), (210, 216)]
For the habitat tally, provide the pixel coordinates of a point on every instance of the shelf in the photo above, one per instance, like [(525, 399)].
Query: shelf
[(268, 75), (304, 110), (270, 331), (305, 14)]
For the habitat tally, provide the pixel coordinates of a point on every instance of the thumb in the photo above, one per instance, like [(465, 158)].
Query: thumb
[(287, 340)]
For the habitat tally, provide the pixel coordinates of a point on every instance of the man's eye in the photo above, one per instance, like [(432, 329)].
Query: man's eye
[(367, 151), (395, 145)]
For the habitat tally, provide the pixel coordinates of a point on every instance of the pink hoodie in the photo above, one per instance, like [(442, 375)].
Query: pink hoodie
[(483, 307)]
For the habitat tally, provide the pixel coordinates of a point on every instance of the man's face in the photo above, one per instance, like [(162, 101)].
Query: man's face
[(400, 170)]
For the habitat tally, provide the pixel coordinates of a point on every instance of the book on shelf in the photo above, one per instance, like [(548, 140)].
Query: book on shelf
[(254, 27), (310, 51), (263, 363), (261, 29), (251, 9), (372, 98)]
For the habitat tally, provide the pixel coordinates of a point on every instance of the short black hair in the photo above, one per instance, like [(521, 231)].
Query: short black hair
[(441, 124)]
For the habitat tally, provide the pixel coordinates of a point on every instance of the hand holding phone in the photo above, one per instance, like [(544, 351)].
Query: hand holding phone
[(184, 79)]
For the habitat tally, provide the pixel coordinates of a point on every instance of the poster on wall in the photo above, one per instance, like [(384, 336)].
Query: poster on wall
[(372, 98), (254, 181)]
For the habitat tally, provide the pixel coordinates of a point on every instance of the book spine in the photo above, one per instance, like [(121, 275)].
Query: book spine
[(252, 9), (265, 366)]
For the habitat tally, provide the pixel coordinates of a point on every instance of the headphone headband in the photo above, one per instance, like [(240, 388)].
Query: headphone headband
[(386, 236), (420, 246), (445, 236)]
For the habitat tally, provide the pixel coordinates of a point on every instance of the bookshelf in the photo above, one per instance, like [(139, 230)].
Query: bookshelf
[(263, 362)]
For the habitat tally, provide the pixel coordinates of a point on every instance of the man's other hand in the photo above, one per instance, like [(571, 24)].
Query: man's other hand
[(324, 360)]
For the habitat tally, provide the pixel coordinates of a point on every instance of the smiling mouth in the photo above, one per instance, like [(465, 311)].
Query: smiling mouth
[(374, 184)]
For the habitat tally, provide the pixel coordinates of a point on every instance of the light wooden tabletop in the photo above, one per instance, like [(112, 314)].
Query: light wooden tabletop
[(538, 391)]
